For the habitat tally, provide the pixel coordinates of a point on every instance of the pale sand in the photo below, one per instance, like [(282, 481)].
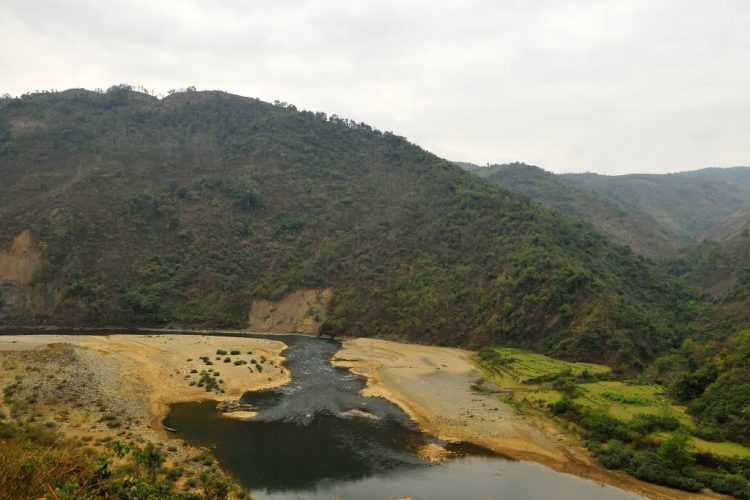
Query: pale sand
[(144, 374), (240, 415), (433, 386)]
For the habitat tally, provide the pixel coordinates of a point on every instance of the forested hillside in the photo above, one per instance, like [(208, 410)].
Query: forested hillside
[(739, 175), (185, 210), (735, 225), (640, 233), (686, 205), (653, 214)]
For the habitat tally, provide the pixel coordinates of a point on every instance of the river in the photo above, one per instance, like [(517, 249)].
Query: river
[(306, 444)]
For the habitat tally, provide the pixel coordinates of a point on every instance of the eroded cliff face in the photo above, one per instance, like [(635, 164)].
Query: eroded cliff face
[(299, 312), (19, 301), (23, 259)]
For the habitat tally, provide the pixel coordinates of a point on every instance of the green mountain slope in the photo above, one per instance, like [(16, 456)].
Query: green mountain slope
[(685, 205), (739, 175), (186, 210), (556, 193), (722, 270), (710, 266), (732, 226)]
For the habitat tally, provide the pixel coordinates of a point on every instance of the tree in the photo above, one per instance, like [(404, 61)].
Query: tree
[(151, 458), (677, 449), (215, 486)]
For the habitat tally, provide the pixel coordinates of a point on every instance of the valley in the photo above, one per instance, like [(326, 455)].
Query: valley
[(106, 387), (578, 322)]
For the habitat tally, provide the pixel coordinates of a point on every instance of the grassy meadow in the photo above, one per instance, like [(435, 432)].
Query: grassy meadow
[(534, 381)]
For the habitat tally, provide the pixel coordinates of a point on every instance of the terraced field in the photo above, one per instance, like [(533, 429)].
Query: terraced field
[(531, 378)]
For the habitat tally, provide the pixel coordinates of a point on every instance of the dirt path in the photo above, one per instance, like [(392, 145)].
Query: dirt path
[(433, 386)]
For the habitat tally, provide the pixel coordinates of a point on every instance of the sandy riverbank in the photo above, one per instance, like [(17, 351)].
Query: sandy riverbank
[(100, 388), (132, 379), (433, 386)]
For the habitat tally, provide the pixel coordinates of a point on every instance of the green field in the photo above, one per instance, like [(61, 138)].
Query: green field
[(725, 448), (624, 400), (519, 367), (527, 365)]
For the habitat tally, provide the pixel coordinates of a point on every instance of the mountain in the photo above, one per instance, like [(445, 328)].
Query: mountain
[(739, 175), (556, 193), (711, 372), (653, 214), (686, 205), (721, 269), (731, 226), (209, 209)]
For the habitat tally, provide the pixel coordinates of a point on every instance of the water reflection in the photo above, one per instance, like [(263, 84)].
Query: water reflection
[(304, 444)]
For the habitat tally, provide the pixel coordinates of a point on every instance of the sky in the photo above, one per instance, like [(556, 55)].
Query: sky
[(605, 86)]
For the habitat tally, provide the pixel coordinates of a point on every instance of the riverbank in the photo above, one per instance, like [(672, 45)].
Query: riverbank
[(174, 330), (121, 386), (433, 386), (105, 387)]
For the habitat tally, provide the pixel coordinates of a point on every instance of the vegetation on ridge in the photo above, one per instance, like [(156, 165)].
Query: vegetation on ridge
[(184, 210), (653, 214), (623, 226)]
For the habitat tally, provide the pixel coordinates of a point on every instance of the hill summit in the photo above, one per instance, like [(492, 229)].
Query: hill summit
[(190, 210)]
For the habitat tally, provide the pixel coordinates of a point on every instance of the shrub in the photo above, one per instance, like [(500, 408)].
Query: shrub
[(151, 458), (174, 473), (559, 407), (729, 484), (235, 352), (614, 456), (648, 467), (627, 399), (604, 426), (677, 449), (215, 485), (648, 423), (221, 352)]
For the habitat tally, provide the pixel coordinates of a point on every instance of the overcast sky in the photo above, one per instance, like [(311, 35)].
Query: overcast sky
[(606, 86)]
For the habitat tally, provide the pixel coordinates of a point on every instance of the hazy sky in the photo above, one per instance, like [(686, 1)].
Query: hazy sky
[(607, 86)]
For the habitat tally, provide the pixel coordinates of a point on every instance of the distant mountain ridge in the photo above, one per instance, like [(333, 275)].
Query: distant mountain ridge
[(653, 214)]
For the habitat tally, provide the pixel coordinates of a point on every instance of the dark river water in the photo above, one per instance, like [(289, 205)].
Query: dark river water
[(305, 445)]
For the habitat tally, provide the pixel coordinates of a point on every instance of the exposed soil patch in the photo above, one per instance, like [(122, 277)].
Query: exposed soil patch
[(21, 261), (301, 311)]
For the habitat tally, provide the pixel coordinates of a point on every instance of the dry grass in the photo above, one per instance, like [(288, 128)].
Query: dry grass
[(28, 469)]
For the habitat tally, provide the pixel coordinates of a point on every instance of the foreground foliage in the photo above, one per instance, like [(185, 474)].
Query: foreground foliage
[(34, 466)]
